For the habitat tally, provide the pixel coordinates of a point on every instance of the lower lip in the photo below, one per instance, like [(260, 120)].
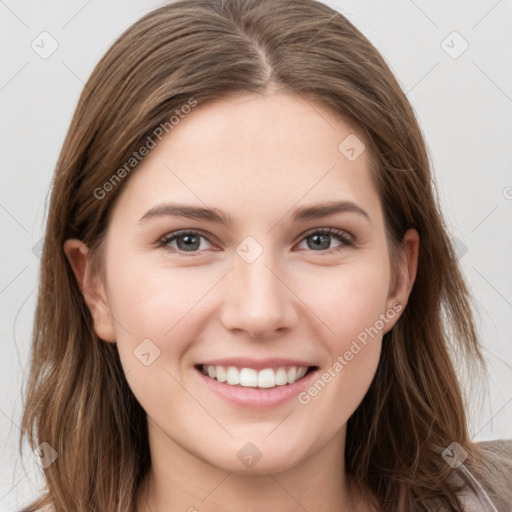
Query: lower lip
[(257, 397)]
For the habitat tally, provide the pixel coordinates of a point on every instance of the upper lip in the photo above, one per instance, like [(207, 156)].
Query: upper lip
[(257, 364)]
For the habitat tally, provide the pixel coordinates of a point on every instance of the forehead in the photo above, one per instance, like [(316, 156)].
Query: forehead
[(256, 153)]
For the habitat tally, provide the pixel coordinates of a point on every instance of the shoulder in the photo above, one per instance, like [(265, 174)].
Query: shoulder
[(497, 458), (493, 472), (500, 451)]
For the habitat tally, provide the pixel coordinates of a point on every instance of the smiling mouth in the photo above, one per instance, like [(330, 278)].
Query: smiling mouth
[(249, 377)]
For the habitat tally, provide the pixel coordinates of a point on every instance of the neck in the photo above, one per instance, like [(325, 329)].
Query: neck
[(180, 481)]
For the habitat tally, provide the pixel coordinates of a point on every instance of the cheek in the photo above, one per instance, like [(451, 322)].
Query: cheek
[(156, 302), (161, 305), (352, 303), (348, 299), (151, 301)]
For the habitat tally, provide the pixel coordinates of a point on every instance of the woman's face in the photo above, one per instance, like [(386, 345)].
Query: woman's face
[(217, 255)]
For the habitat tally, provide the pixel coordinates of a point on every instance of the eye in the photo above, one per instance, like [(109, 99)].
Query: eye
[(186, 241), (320, 239)]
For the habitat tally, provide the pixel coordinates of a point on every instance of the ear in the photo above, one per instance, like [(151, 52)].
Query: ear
[(405, 275), (92, 289)]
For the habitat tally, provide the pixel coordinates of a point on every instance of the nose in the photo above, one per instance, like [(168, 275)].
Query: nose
[(256, 298)]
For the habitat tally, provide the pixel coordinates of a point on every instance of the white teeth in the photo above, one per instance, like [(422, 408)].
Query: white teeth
[(281, 377), (266, 378), (249, 377), (220, 373), (301, 372), (232, 376)]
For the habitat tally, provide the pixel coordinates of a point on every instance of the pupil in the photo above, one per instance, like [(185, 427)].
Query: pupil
[(318, 241), (190, 242)]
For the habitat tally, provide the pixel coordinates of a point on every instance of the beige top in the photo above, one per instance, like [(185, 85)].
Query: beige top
[(472, 503), (494, 495)]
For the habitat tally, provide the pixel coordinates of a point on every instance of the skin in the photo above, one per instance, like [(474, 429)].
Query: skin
[(257, 158)]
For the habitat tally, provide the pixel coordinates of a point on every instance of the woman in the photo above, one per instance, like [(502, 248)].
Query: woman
[(247, 288)]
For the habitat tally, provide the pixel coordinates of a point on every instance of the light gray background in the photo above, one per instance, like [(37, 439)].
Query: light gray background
[(464, 105)]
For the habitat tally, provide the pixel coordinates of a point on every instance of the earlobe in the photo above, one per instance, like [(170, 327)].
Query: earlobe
[(92, 289)]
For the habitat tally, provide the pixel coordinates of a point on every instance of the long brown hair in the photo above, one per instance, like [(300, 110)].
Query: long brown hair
[(77, 397)]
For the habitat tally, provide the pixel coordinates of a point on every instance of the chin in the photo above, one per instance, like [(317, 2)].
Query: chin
[(253, 458)]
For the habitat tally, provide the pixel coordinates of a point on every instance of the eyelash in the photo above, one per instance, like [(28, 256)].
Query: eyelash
[(340, 235)]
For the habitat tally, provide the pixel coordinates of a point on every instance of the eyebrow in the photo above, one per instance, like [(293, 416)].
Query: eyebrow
[(218, 216)]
